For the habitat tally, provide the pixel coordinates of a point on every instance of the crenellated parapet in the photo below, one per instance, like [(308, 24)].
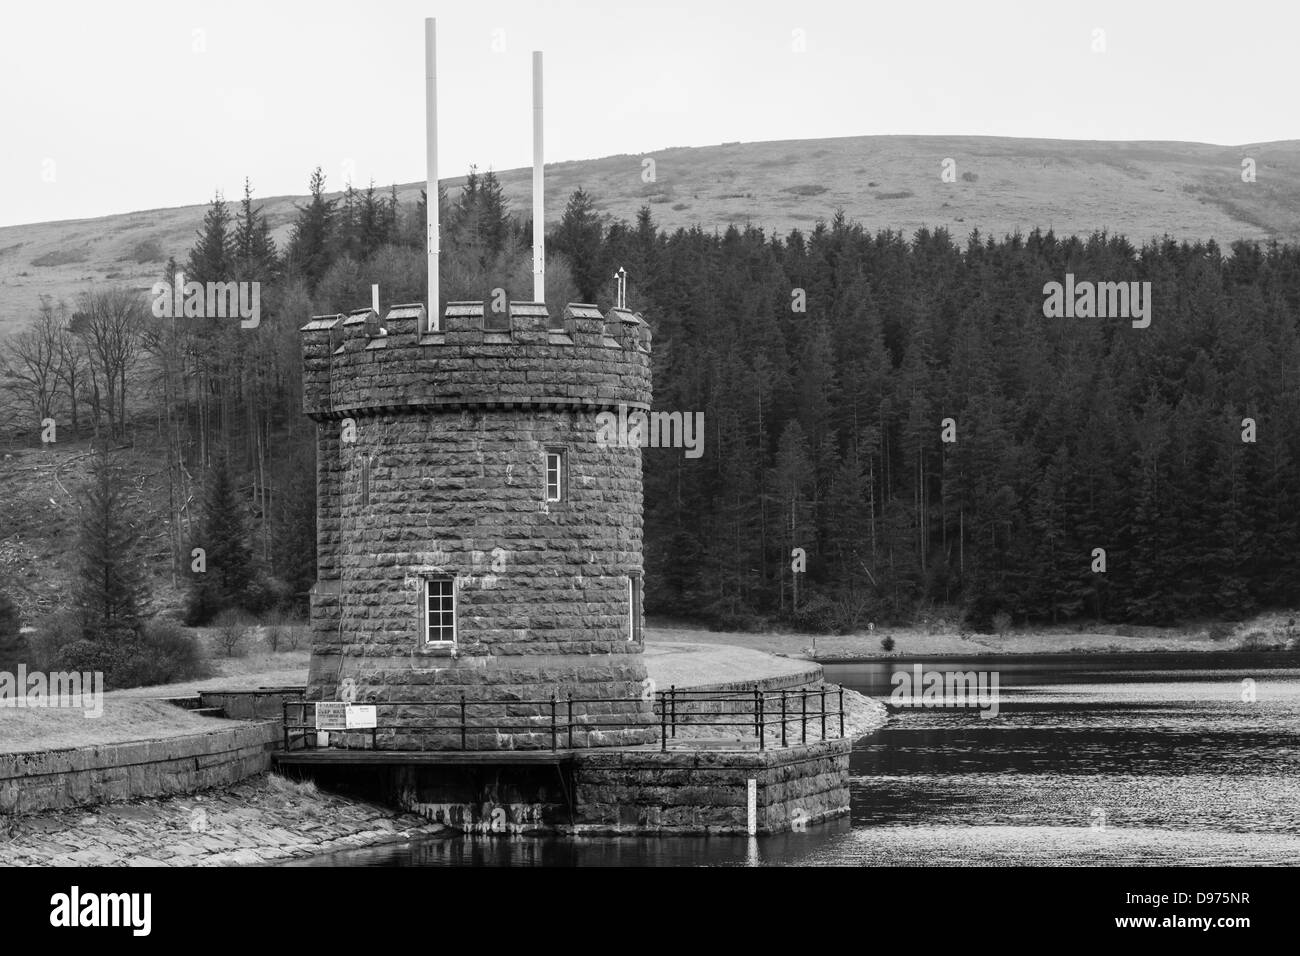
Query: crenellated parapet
[(360, 364)]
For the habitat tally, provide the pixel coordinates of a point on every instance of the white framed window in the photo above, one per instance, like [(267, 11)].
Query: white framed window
[(634, 608), (555, 474), (439, 609)]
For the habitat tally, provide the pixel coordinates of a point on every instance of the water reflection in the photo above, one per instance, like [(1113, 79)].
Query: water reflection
[(1127, 759)]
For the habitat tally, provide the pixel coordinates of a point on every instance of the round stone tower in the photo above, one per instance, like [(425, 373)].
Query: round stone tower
[(476, 537)]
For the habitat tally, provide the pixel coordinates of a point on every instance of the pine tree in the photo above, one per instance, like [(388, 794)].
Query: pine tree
[(211, 258), (310, 245), (372, 225), (495, 213), (110, 587), (227, 575), (294, 527), (13, 646), (253, 249), (793, 483), (578, 238), (467, 227)]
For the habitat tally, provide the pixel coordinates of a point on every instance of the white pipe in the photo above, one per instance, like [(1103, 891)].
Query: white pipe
[(431, 163), (539, 211)]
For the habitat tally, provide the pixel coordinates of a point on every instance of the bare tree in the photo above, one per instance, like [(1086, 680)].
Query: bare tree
[(168, 346), (31, 363), (74, 363), (110, 322)]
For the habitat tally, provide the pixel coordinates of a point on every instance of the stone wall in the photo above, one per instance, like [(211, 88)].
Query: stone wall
[(266, 703), (58, 779), (623, 791), (442, 474), (704, 791)]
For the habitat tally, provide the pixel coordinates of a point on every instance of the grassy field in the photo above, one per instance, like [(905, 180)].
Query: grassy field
[(53, 729), (1141, 189)]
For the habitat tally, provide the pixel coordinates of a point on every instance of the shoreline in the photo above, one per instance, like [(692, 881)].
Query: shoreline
[(1072, 655), (261, 820), (268, 819), (1268, 633)]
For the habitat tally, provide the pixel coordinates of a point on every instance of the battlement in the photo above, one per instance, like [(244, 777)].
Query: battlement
[(362, 364)]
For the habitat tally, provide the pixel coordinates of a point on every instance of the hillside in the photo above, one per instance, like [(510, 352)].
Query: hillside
[(1140, 189), (40, 519)]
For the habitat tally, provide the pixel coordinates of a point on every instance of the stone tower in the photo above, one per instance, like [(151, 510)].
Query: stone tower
[(474, 537)]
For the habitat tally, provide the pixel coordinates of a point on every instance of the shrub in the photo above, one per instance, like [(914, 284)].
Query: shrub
[(851, 611), (84, 655), (161, 653), (147, 250), (887, 643), (1220, 631), (1258, 641), (62, 257), (970, 177), (167, 652), (232, 627), (277, 626), (1001, 623), (817, 614), (56, 632), (742, 621)]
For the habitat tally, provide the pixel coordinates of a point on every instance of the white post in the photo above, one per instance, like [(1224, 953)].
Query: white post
[(374, 297), (539, 211), (752, 806), (431, 163)]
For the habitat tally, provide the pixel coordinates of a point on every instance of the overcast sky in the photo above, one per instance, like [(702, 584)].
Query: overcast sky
[(114, 107)]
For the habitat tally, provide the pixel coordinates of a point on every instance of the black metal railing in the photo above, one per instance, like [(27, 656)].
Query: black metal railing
[(754, 711), (682, 713)]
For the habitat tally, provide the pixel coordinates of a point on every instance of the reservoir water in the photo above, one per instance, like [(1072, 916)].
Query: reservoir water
[(1118, 759)]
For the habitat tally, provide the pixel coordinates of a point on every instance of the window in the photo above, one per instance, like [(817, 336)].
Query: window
[(440, 610), (554, 474), (634, 608)]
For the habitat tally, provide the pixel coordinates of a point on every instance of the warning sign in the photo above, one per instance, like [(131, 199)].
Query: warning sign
[(331, 715), (361, 716)]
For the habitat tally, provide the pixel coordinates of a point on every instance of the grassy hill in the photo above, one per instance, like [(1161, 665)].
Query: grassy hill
[(1140, 189)]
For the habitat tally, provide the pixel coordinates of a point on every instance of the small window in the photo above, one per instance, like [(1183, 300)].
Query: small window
[(440, 610), (554, 474), (634, 608)]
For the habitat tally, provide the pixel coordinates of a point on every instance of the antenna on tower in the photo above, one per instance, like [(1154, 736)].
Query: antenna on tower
[(539, 207), (620, 295), (431, 163)]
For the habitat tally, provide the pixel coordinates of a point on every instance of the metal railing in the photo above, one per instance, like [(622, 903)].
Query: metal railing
[(681, 713), (755, 711)]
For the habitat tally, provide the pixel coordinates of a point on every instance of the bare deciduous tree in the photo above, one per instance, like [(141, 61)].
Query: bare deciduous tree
[(31, 363), (110, 322)]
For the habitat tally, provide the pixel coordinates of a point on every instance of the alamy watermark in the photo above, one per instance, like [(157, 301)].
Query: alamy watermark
[(1098, 300), (75, 908), (211, 300), (944, 689), (652, 430), (70, 689)]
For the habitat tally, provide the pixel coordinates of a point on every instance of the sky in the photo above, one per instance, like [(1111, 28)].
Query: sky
[(139, 104)]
